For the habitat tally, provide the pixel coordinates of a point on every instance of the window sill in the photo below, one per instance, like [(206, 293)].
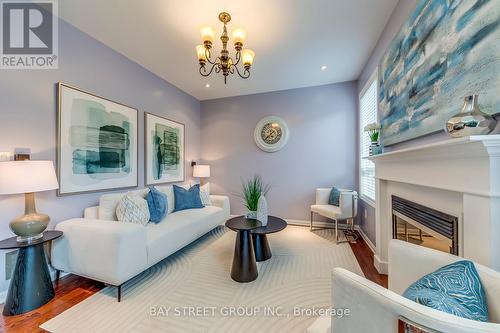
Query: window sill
[(367, 200)]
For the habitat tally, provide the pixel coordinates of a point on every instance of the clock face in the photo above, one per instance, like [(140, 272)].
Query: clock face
[(271, 134)]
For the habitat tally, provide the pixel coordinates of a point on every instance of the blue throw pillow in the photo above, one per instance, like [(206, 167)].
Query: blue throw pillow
[(187, 199), (455, 289), (334, 197), (157, 204)]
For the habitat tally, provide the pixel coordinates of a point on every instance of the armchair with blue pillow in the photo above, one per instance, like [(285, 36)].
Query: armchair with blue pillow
[(432, 290), (336, 204)]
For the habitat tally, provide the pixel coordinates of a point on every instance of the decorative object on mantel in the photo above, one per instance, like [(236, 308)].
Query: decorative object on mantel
[(470, 121), (224, 62), (373, 130), (253, 188), (262, 210), (28, 177), (271, 134), (422, 78), (97, 144)]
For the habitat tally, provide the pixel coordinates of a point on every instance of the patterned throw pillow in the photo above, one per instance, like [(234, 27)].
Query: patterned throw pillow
[(334, 197), (205, 195), (455, 289), (133, 209)]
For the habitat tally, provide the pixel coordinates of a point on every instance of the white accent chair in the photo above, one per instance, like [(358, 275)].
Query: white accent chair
[(347, 210), (375, 309)]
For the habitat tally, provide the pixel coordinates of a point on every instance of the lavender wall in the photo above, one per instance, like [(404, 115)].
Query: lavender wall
[(28, 113), (321, 150), (366, 215)]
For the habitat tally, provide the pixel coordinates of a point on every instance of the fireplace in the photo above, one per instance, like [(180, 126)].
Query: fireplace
[(416, 223)]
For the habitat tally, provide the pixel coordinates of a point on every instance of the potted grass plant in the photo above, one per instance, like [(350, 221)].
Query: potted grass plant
[(252, 189), (373, 130)]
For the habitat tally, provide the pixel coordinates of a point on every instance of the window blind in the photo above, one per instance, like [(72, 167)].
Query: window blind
[(368, 114)]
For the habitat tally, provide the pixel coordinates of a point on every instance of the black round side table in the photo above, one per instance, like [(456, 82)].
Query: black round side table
[(244, 267), (31, 285), (259, 238)]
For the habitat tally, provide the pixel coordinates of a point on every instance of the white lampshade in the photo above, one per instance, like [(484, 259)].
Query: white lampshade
[(201, 171), (27, 176)]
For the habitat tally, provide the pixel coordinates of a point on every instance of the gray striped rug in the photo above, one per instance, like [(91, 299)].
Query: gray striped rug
[(197, 279)]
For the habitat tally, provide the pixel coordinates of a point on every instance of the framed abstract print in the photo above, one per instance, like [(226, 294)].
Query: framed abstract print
[(96, 142), (164, 150)]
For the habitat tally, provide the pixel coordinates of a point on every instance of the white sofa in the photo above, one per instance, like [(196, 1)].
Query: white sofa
[(374, 309), (103, 249)]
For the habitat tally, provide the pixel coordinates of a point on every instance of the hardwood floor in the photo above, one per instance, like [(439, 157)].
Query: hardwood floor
[(71, 290)]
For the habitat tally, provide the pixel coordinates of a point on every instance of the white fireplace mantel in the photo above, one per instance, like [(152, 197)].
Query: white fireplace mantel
[(457, 176)]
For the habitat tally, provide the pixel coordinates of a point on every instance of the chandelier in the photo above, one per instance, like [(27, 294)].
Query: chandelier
[(224, 63)]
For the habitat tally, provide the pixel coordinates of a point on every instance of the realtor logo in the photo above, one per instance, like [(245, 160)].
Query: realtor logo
[(29, 35)]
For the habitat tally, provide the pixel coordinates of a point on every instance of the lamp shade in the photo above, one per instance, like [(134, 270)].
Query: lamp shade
[(27, 176), (201, 171)]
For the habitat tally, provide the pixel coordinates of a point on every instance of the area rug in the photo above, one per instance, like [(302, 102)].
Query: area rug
[(192, 291)]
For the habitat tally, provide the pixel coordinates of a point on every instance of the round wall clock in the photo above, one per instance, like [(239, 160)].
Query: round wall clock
[(271, 134)]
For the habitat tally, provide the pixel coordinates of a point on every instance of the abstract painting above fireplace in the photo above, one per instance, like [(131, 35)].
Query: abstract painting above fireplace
[(445, 51)]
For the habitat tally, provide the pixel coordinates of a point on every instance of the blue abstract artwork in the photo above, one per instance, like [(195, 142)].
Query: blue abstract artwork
[(446, 50)]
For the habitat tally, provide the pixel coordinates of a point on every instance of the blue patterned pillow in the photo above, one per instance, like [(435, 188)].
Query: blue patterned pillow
[(334, 197), (455, 289), (187, 199), (157, 204)]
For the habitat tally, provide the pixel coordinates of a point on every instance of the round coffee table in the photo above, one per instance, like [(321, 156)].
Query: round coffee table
[(31, 285), (259, 238), (244, 267)]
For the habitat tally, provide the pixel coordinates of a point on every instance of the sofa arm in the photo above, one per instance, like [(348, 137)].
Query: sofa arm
[(375, 309), (322, 196), (221, 201), (107, 251)]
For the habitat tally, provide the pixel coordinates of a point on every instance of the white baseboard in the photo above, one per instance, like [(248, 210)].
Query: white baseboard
[(3, 296), (381, 266), (367, 241)]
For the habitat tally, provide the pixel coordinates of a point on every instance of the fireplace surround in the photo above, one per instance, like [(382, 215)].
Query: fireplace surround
[(458, 177)]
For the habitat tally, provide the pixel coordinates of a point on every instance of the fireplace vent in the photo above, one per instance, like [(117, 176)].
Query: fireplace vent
[(434, 222)]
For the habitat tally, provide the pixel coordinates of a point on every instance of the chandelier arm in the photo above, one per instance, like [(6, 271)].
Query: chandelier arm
[(246, 73), (208, 55), (203, 70), (238, 58)]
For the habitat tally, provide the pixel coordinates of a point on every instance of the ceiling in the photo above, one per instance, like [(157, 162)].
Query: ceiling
[(292, 39)]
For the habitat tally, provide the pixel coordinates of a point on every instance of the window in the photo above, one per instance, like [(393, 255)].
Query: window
[(368, 106)]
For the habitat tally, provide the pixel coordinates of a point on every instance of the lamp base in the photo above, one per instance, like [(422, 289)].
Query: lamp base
[(31, 225)]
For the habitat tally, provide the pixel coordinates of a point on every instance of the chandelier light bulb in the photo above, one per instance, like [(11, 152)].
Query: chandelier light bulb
[(247, 56), (239, 36), (207, 34)]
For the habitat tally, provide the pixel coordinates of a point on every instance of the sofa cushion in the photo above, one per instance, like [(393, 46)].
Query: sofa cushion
[(187, 199), (180, 228), (454, 288), (133, 209), (109, 202), (157, 204), (205, 195)]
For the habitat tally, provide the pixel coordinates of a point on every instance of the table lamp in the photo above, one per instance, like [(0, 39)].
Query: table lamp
[(201, 171), (28, 177)]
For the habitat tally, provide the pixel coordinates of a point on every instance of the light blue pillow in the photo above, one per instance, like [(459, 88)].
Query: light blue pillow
[(157, 204), (455, 289), (187, 199), (334, 198)]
